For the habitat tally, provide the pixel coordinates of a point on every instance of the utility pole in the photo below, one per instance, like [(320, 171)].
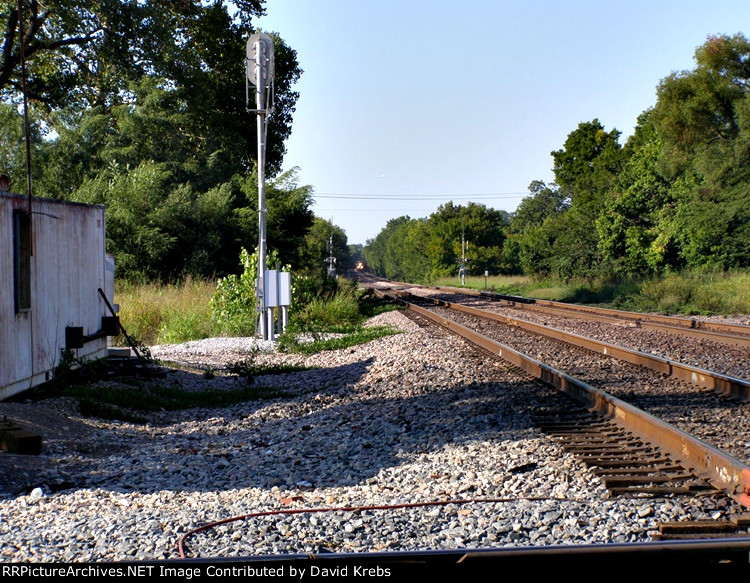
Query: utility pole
[(464, 261), (331, 261), (259, 72)]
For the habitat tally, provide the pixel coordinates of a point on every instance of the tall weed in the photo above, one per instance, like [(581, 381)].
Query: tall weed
[(157, 313), (339, 313), (698, 292), (689, 292)]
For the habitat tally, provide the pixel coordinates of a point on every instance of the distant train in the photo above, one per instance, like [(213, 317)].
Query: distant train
[(360, 266)]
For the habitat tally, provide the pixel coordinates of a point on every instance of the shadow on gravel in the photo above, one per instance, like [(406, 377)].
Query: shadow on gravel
[(77, 452), (322, 436), (327, 430)]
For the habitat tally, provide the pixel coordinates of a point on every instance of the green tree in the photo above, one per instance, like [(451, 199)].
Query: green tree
[(12, 150), (482, 227), (289, 217), (632, 227), (586, 170), (528, 247), (406, 252), (82, 51), (135, 233), (421, 249), (317, 248), (703, 118), (588, 163), (543, 202), (163, 138), (84, 54), (375, 250), (162, 230), (696, 111), (535, 248)]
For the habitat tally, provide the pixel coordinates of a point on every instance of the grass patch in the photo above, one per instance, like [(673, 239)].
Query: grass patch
[(248, 369), (692, 293), (127, 398), (288, 342), (337, 314), (341, 313), (95, 408), (557, 293), (506, 284), (370, 305), (128, 403), (688, 293), (543, 289), (592, 292), (156, 313)]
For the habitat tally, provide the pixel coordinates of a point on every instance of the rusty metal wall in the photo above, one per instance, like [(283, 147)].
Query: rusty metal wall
[(67, 267)]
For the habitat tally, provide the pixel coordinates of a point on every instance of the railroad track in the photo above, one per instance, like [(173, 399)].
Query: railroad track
[(633, 451), (716, 331), (719, 332), (729, 385), (634, 454), (730, 360)]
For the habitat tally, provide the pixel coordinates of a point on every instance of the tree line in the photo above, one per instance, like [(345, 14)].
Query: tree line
[(675, 196), (141, 106)]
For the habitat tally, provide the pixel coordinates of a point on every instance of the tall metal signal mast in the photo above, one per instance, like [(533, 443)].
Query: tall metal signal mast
[(331, 260), (259, 72), (464, 260)]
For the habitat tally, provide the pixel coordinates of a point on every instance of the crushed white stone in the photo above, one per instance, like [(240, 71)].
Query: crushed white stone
[(414, 417)]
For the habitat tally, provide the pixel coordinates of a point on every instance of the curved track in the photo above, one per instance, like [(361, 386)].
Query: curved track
[(671, 400), (703, 329)]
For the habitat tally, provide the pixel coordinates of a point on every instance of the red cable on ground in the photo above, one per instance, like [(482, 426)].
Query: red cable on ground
[(210, 525)]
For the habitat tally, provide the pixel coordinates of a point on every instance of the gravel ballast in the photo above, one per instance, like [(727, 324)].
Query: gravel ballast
[(712, 416), (728, 359), (414, 417)]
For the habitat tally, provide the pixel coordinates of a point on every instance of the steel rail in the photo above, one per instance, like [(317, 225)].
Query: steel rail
[(735, 387), (680, 326), (678, 554), (737, 334), (668, 320), (717, 467)]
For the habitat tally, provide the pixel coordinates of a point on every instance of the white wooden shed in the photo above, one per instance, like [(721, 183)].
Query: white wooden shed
[(52, 264)]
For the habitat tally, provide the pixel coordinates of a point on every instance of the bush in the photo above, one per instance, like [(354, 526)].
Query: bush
[(338, 314), (233, 304)]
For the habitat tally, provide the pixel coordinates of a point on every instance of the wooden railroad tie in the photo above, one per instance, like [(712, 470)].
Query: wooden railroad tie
[(736, 526), (626, 464)]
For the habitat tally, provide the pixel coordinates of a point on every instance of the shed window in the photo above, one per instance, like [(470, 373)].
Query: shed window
[(22, 260)]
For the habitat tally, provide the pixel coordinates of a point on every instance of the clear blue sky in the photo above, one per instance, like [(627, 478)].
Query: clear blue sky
[(465, 100)]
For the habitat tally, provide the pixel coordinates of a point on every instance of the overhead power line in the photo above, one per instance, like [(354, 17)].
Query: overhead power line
[(371, 210), (484, 196)]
